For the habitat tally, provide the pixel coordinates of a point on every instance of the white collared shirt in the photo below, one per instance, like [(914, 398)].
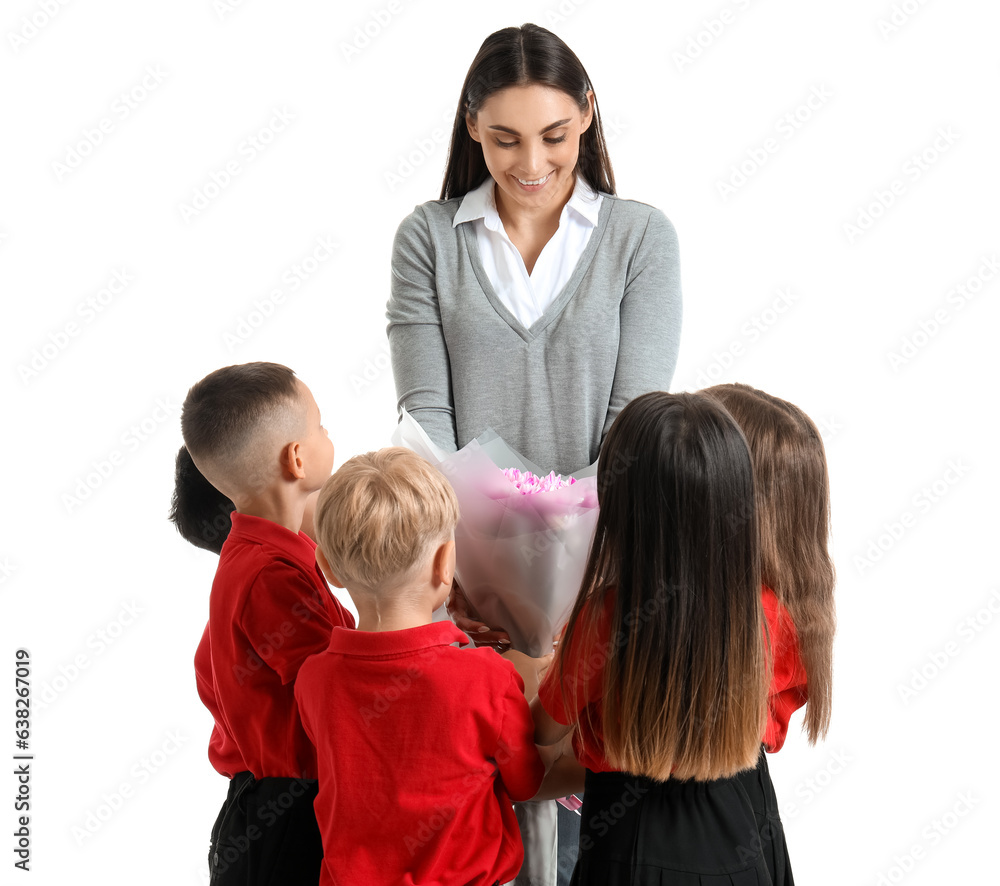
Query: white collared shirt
[(527, 296)]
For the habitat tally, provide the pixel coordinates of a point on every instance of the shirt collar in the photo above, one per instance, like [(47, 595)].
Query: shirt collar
[(476, 204), (258, 530), (381, 644), (480, 203)]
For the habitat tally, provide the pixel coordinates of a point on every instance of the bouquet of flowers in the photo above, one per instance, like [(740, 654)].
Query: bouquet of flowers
[(523, 537)]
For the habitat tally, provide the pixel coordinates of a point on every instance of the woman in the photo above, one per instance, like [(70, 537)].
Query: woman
[(530, 298)]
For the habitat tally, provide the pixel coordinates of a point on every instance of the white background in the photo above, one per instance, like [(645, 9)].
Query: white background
[(681, 107)]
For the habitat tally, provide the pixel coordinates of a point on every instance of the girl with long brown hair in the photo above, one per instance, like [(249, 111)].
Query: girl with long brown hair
[(661, 673), (793, 511)]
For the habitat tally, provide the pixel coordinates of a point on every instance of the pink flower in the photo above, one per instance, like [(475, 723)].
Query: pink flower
[(527, 483)]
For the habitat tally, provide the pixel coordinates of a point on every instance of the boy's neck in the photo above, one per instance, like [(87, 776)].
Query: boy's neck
[(282, 506), (405, 608)]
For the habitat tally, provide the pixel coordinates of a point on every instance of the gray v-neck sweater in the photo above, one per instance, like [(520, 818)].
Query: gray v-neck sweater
[(463, 363)]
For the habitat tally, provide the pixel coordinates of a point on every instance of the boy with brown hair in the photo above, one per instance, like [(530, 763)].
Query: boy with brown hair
[(254, 432)]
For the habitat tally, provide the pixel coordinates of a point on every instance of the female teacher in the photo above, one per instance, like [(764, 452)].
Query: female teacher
[(530, 298)]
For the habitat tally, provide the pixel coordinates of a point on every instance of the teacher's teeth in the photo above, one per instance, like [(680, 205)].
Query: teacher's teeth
[(536, 182)]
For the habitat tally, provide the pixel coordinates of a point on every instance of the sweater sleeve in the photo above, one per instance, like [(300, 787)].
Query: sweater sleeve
[(420, 363), (650, 317)]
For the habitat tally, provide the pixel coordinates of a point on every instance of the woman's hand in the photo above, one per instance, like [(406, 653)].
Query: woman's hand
[(467, 619)]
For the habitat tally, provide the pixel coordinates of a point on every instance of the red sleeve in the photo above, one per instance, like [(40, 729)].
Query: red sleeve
[(788, 690), (521, 768), (286, 618), (582, 670)]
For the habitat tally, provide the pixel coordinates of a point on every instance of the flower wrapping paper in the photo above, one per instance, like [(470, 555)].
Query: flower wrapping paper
[(520, 558)]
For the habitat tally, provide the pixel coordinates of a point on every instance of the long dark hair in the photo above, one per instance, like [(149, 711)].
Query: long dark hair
[(520, 57), (793, 508), (685, 677)]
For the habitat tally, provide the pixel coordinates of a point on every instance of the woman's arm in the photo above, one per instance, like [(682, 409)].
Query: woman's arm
[(417, 345), (650, 317)]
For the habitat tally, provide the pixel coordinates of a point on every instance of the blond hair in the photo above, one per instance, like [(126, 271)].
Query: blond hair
[(378, 516)]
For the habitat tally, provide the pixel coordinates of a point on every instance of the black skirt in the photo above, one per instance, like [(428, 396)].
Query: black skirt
[(638, 832), (760, 791)]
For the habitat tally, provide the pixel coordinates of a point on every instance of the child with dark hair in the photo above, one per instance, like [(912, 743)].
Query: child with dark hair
[(253, 432), (661, 673), (793, 511)]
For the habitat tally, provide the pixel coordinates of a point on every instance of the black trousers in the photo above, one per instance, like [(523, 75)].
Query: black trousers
[(266, 834)]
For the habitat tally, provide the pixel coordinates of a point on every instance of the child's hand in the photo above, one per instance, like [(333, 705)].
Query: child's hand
[(530, 669), (467, 619)]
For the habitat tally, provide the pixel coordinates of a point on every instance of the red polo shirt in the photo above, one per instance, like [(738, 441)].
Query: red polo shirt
[(584, 683), (421, 749), (269, 609)]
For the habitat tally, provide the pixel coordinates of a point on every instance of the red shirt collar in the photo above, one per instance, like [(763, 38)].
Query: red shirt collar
[(258, 530), (378, 644)]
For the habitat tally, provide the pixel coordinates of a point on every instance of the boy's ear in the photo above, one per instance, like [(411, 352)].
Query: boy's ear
[(443, 568), (324, 566), (291, 460)]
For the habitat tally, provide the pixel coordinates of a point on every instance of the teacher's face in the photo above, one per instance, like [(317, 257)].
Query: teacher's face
[(531, 140)]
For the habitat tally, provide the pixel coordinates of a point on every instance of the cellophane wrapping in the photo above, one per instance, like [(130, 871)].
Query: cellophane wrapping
[(520, 558)]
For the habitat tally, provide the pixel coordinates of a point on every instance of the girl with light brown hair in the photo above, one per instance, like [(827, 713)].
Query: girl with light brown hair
[(793, 511)]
